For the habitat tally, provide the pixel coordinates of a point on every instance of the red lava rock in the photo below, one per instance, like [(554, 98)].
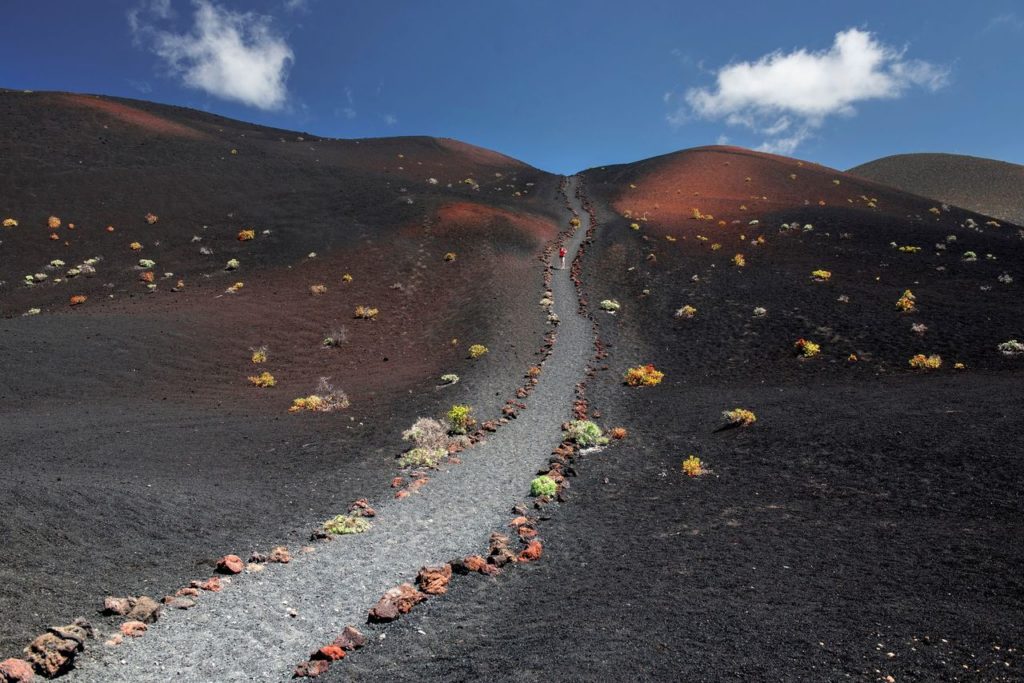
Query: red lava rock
[(331, 653), (396, 601), (230, 564), (434, 580), (212, 584), (418, 483), (280, 555), (53, 653), (521, 393), (397, 483), (133, 629), (402, 494), (533, 552), (179, 603), (187, 593), (490, 426), (519, 521), (257, 557), (361, 508), (112, 605), (114, 640), (311, 669), (526, 533), (144, 609), (16, 671), (350, 639)]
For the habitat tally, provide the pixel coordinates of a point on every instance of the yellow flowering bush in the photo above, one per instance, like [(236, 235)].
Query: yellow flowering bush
[(686, 312), (906, 302), (10, 223), (324, 399), (450, 256), (135, 246), (246, 235), (739, 261), (807, 349), (922, 362), (477, 350), (693, 467), (263, 380), (366, 313), (821, 275), (53, 222), (259, 354), (739, 416), (644, 376), (346, 278)]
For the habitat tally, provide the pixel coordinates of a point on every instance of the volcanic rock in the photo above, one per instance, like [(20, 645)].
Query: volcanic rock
[(396, 601), (230, 564), (15, 671), (434, 580)]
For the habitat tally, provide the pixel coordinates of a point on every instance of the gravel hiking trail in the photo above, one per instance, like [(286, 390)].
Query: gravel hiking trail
[(263, 624)]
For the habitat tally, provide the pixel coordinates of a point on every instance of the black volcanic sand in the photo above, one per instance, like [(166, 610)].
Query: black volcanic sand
[(866, 526), (135, 452)]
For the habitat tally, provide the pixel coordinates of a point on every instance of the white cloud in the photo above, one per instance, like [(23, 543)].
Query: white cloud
[(787, 96), (390, 119), (232, 55), (1009, 20), (296, 5)]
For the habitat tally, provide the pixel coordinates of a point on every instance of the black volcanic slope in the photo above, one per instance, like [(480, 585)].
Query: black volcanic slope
[(134, 450), (990, 187), (862, 528)]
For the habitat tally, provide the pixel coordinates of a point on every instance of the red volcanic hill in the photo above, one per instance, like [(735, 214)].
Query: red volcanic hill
[(988, 186), (734, 184)]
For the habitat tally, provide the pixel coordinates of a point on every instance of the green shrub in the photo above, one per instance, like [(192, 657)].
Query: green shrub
[(346, 524), (460, 419), (449, 378), (543, 486), (585, 434), (422, 457)]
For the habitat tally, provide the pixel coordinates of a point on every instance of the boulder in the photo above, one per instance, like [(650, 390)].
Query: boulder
[(331, 653), (54, 652), (144, 609), (533, 552), (312, 668), (133, 629), (113, 605), (396, 601), (280, 555), (230, 564), (212, 584), (434, 580), (350, 639), (15, 671)]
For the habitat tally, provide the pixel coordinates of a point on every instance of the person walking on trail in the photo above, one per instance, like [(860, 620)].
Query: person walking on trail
[(561, 256)]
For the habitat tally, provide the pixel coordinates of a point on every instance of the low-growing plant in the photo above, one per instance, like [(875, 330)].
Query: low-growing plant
[(739, 260), (644, 376), (449, 378), (78, 299), (235, 288), (427, 433), (346, 278), (959, 366), (922, 362), (460, 419), (324, 399), (53, 222), (135, 246), (232, 264), (32, 311), (533, 371), (246, 235), (918, 328), (693, 467), (422, 457), (450, 256), (906, 302), (585, 434), (346, 524), (318, 289), (477, 350), (152, 218), (10, 223), (686, 312), (335, 338), (610, 305), (366, 313), (574, 222), (760, 312), (543, 486), (1011, 348), (807, 349), (821, 275), (259, 354), (740, 417), (617, 433), (263, 380), (970, 256), (147, 276)]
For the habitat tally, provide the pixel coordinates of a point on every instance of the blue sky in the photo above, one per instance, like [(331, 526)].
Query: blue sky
[(563, 85)]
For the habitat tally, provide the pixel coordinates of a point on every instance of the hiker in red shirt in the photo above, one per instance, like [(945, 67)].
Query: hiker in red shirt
[(561, 256)]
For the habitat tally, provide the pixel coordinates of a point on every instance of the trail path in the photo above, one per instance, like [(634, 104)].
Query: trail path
[(245, 633)]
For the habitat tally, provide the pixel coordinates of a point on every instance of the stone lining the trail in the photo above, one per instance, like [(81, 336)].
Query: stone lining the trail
[(263, 624)]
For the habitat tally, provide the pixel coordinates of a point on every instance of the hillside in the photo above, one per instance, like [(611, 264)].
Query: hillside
[(856, 530), (128, 421), (994, 188)]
